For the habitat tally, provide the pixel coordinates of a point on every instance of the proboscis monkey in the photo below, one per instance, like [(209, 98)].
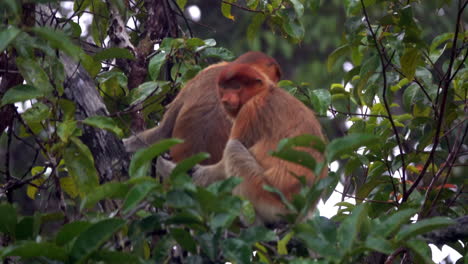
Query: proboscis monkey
[(263, 115), (196, 114)]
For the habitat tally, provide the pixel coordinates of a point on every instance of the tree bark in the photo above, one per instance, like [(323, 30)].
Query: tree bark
[(110, 157)]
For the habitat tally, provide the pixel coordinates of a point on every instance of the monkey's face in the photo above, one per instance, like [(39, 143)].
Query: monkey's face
[(236, 85)]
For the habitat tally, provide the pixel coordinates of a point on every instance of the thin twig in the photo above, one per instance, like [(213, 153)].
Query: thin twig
[(387, 107), (445, 89)]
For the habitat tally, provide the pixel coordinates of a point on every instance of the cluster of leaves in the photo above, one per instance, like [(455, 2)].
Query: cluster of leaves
[(205, 221), (282, 15), (404, 99)]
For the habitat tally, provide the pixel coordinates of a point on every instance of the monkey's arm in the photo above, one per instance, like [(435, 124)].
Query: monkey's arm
[(202, 175), (152, 135), (239, 160)]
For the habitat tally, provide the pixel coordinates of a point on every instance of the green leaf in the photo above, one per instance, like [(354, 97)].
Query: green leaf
[(411, 96), (34, 75), (179, 199), (256, 234), (252, 4), (237, 250), (155, 64), (104, 122), (353, 7), (312, 235), (184, 239), (380, 244), (421, 250), (58, 40), (350, 227), (181, 4), (8, 219), (209, 242), (145, 90), (21, 93), (392, 223), (31, 249), (440, 39), (409, 61), (194, 44), (369, 186), (80, 165), (68, 129), (111, 53), (69, 231), (226, 9), (282, 243), (422, 227), (321, 99), (294, 29), (108, 190), (11, 7), (7, 36), (287, 150), (189, 163), (68, 185), (92, 238), (336, 55), (348, 145), (298, 7), (37, 113), (137, 194), (218, 53), (92, 66), (254, 26), (28, 227), (142, 159)]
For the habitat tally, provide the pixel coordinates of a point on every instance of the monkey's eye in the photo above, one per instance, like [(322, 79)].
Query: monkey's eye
[(234, 86)]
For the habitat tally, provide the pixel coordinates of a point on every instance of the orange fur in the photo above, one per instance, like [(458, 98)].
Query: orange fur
[(263, 115), (196, 115)]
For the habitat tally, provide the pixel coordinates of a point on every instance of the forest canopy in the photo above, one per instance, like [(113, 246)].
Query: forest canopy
[(387, 80)]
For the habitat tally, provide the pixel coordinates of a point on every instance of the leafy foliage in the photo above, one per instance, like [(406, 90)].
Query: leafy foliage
[(399, 109)]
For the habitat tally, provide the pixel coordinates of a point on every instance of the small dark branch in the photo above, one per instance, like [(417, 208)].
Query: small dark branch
[(29, 130), (461, 65), (448, 164), (446, 85), (60, 195), (7, 164), (356, 114), (181, 13), (387, 107), (80, 4), (243, 7), (395, 254), (455, 198), (366, 200), (415, 80), (439, 73), (36, 155), (16, 183), (454, 127), (395, 190)]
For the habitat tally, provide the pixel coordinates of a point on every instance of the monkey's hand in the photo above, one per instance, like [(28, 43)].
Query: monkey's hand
[(133, 143), (239, 160), (164, 167)]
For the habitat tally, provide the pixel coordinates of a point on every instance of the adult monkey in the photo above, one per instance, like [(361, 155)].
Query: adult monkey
[(263, 115), (196, 114)]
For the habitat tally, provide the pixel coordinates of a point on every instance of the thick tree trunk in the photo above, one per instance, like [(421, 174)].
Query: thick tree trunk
[(111, 160)]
